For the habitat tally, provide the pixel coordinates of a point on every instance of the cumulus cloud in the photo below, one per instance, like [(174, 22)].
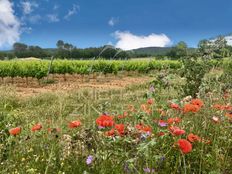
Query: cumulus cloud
[(112, 22), (9, 24), (73, 11), (128, 41), (229, 40), (28, 7), (53, 18)]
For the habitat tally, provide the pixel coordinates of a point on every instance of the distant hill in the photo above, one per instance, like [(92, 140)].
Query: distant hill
[(155, 51)]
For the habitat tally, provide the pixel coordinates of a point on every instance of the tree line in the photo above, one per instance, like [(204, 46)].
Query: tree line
[(212, 48), (64, 51)]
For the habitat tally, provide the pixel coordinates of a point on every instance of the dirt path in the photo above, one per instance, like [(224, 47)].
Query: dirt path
[(104, 84)]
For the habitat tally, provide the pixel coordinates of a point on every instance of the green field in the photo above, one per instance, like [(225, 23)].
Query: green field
[(138, 129)]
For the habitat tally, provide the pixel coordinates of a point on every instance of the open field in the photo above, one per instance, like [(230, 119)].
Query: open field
[(128, 122)]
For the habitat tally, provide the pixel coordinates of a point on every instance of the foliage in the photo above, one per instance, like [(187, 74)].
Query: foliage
[(39, 69), (193, 71)]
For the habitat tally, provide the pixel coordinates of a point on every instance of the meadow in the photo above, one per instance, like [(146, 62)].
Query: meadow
[(154, 127)]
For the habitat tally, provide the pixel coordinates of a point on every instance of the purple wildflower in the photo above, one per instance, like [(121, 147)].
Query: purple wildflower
[(162, 124), (89, 160), (152, 89), (148, 170)]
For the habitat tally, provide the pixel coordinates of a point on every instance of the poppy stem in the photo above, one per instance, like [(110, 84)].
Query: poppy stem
[(185, 172)]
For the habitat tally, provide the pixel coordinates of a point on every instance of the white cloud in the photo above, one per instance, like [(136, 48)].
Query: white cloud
[(9, 24), (73, 11), (34, 19), (28, 7), (229, 40), (112, 22), (53, 18), (128, 41)]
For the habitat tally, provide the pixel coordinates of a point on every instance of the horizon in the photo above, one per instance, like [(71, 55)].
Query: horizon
[(126, 25)]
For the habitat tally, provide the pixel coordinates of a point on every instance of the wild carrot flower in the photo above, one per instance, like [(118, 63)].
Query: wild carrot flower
[(184, 145), (15, 131), (36, 127), (215, 119)]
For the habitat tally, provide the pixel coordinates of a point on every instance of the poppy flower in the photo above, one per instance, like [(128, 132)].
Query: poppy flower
[(217, 106), (143, 128), (197, 102), (15, 131), (74, 124), (176, 131), (105, 121), (175, 106), (110, 133), (193, 138), (184, 145), (120, 128), (190, 108), (229, 115), (150, 101), (124, 115), (160, 134), (36, 127), (174, 120)]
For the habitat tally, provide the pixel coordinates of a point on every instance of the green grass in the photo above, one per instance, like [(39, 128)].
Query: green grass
[(66, 151)]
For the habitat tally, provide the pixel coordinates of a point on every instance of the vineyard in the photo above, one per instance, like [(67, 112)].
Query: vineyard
[(40, 69)]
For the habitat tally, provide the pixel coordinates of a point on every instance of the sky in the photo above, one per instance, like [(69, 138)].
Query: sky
[(125, 24)]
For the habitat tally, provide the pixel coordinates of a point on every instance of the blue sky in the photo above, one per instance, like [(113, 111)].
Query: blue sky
[(124, 23)]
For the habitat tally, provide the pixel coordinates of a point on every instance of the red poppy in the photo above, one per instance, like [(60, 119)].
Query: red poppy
[(125, 114), (15, 131), (105, 121), (110, 133), (174, 120), (193, 138), (176, 131), (217, 106), (150, 101), (190, 108), (161, 134), (120, 129), (229, 115), (74, 124), (197, 102), (184, 145), (175, 106), (36, 127), (143, 128)]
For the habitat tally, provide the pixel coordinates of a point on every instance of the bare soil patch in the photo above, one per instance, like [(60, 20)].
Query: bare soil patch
[(75, 82)]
